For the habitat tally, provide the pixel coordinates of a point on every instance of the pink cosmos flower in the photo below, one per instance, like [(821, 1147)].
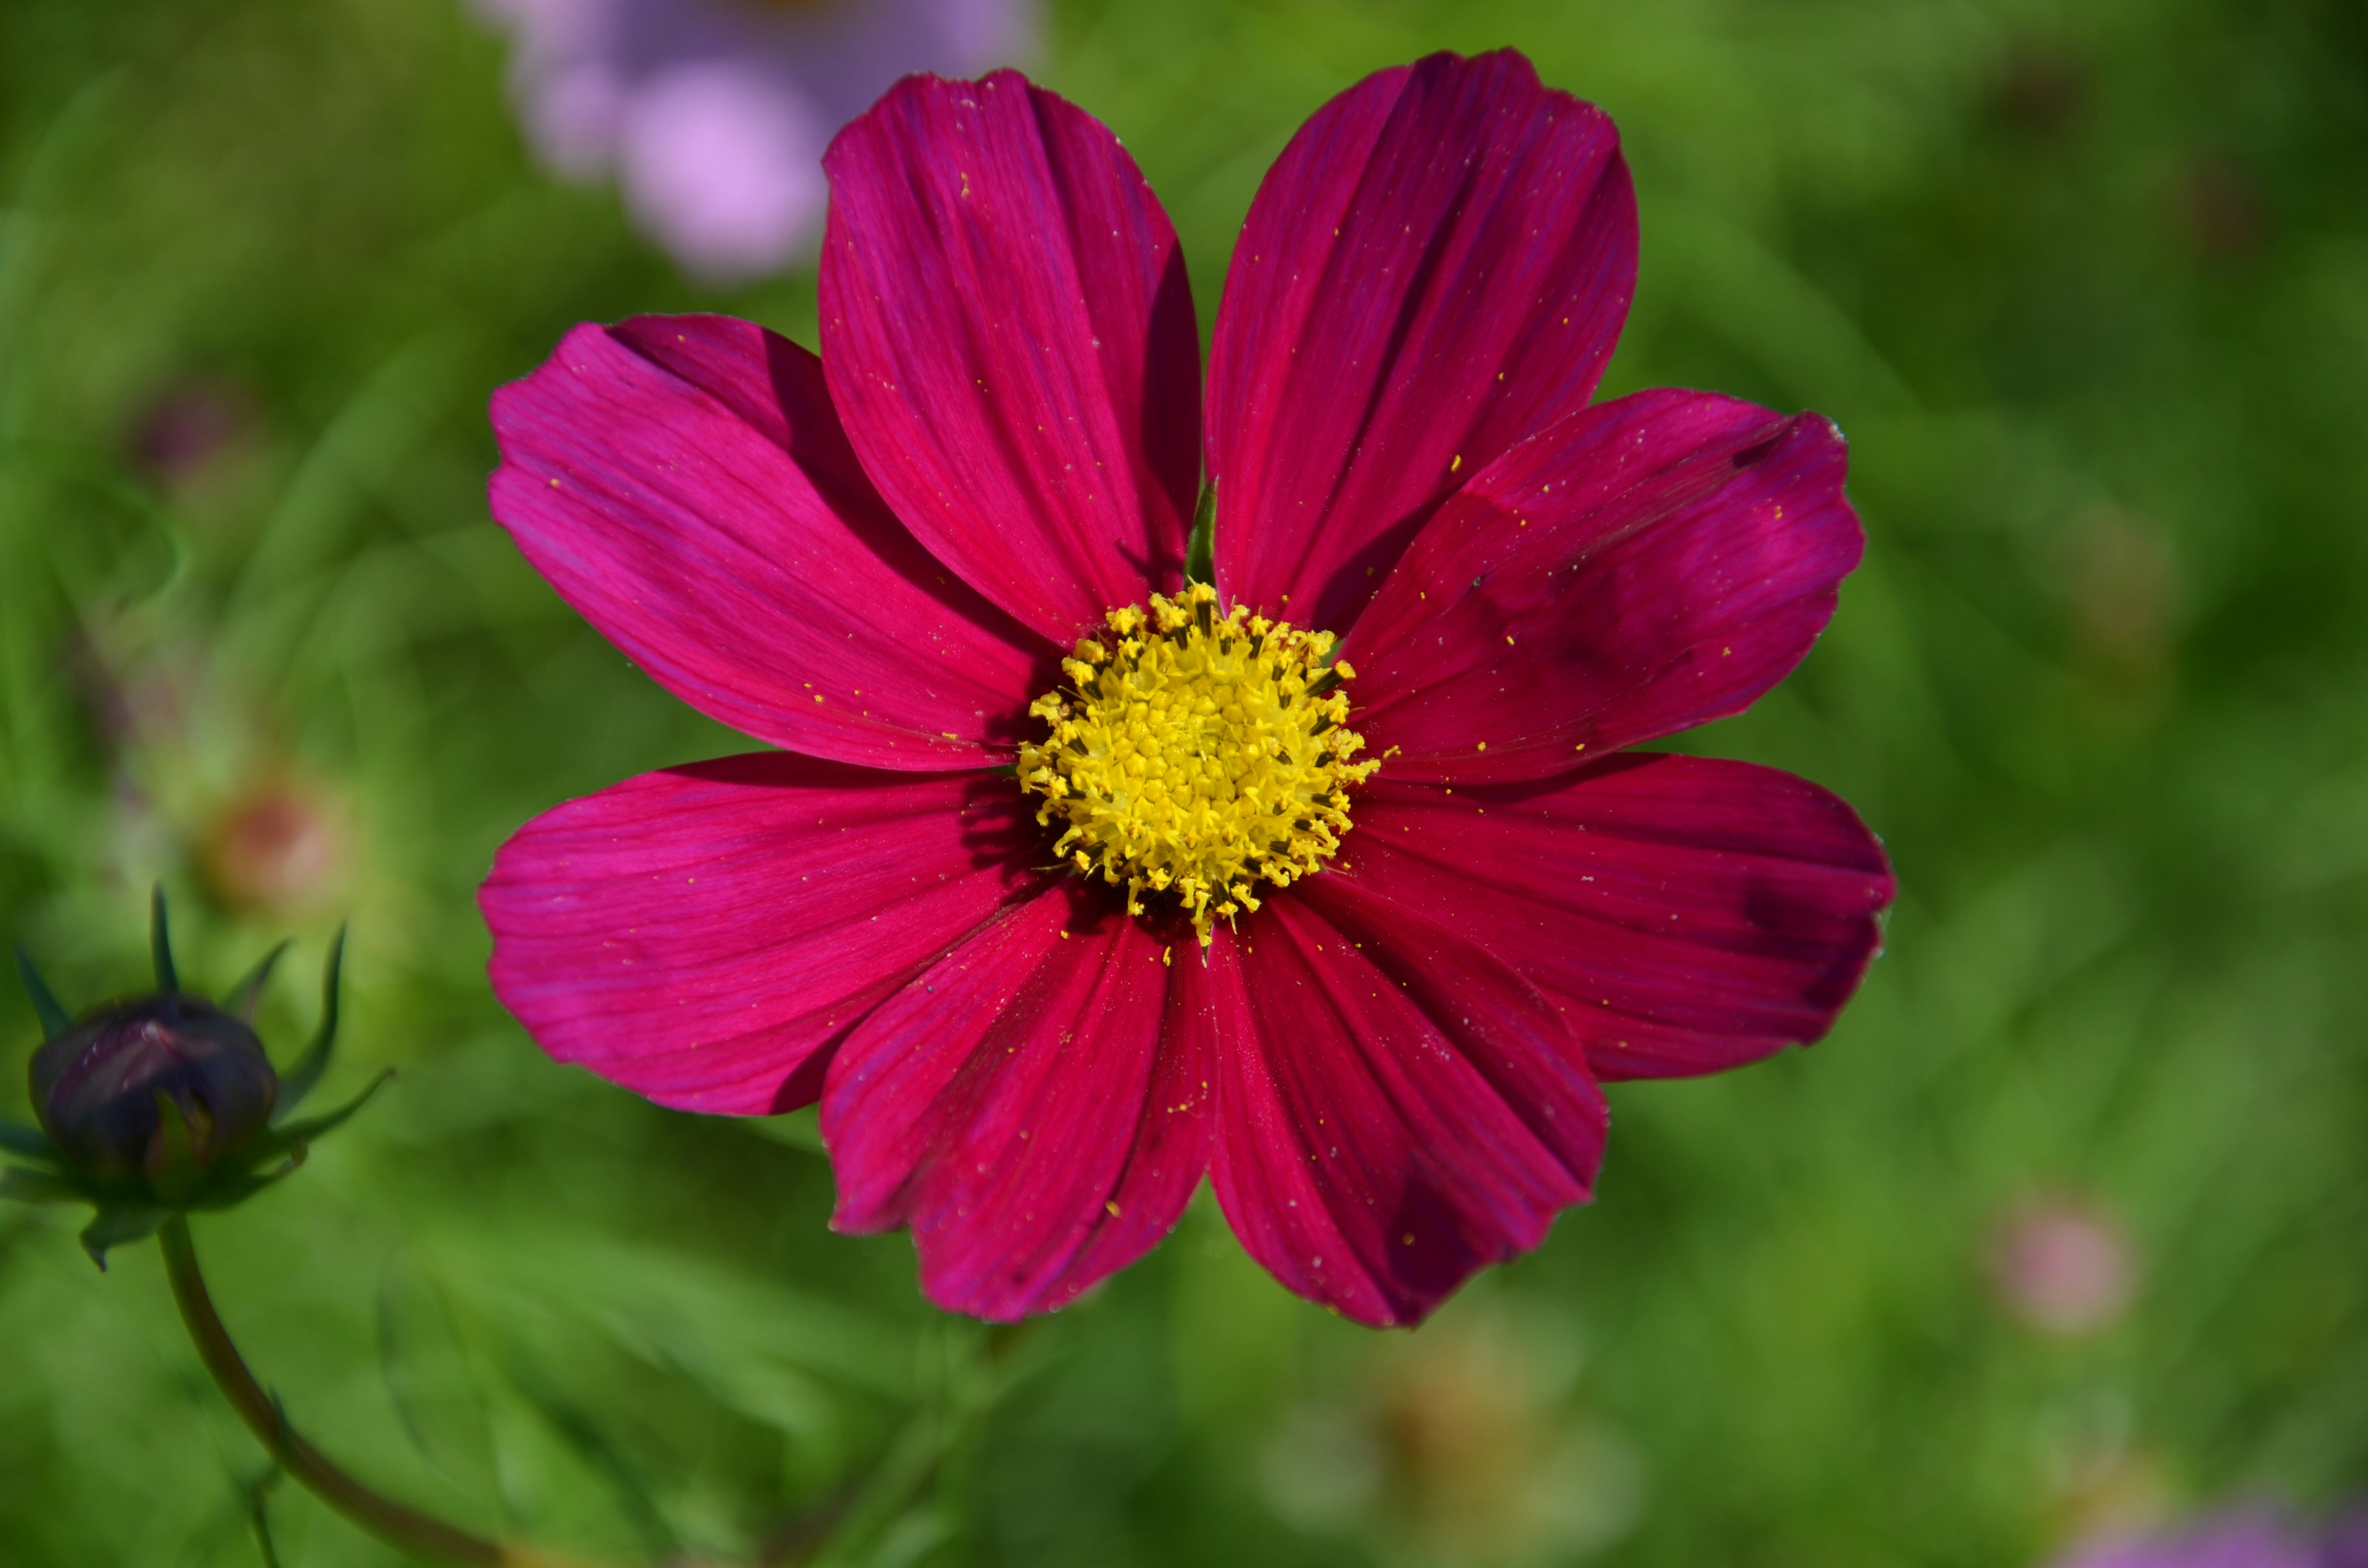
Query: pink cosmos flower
[(714, 113), (2246, 1538), (2063, 1265), (1054, 939)]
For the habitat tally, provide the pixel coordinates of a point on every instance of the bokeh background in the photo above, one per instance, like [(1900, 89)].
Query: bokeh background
[(2066, 1227)]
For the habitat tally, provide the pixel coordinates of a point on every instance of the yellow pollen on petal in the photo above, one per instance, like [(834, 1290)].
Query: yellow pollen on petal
[(1193, 756)]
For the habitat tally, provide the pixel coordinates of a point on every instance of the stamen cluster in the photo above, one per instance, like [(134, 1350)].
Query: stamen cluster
[(1197, 753)]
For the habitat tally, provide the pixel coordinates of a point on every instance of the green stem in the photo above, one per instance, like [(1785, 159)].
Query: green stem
[(404, 1529)]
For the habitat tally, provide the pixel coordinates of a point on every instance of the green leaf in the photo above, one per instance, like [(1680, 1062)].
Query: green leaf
[(29, 1142), (242, 998), (118, 1224), (160, 942), (55, 1020), (672, 1308), (299, 1080), (296, 1134), (587, 1435), (228, 1191), (432, 1378), (1200, 556), (36, 1187), (258, 1499)]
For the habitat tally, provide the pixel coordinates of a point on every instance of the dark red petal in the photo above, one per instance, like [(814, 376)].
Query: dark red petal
[(1011, 341), (701, 935), (1435, 269), (1654, 563), (1036, 1107), (1173, 1135), (1396, 1110), (1686, 914), (683, 482)]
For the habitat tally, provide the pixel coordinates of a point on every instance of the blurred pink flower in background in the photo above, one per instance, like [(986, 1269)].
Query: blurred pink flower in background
[(187, 428), (713, 114), (2247, 1538), (280, 846), (2063, 1265), (1459, 1448)]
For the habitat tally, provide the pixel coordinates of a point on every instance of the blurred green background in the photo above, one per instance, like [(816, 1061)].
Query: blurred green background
[(2086, 284)]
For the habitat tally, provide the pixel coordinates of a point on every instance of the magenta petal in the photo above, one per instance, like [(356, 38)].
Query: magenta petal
[(1397, 1108), (1435, 269), (1654, 563), (1686, 914), (1009, 338), (1035, 1106), (683, 482), (701, 935)]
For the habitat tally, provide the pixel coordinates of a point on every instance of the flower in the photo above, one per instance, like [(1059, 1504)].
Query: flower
[(2345, 1545), (165, 1102), (136, 1089), (2065, 1266), (714, 113), (1016, 900), (203, 778), (2247, 1538), (279, 845), (189, 427)]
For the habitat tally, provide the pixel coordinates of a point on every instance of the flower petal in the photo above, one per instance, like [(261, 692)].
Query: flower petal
[(703, 934), (1436, 268), (1656, 561), (1009, 338), (1035, 1106), (1686, 914), (683, 482), (1396, 1110)]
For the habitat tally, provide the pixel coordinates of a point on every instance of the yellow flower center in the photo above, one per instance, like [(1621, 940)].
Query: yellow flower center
[(1196, 755)]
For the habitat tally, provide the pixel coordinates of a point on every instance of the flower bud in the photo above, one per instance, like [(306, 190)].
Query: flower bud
[(147, 1099)]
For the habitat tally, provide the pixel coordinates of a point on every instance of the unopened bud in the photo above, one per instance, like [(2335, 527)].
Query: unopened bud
[(146, 1099)]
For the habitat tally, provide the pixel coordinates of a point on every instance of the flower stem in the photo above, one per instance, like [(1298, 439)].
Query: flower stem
[(400, 1526)]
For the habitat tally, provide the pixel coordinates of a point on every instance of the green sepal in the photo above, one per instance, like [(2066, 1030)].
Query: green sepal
[(241, 999), (229, 1191), (29, 1142), (55, 1020), (296, 1134), (160, 942), (177, 1174), (298, 1080), (117, 1225), (1201, 555), (37, 1186)]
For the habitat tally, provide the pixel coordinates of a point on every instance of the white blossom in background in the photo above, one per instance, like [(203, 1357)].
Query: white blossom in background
[(713, 114)]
